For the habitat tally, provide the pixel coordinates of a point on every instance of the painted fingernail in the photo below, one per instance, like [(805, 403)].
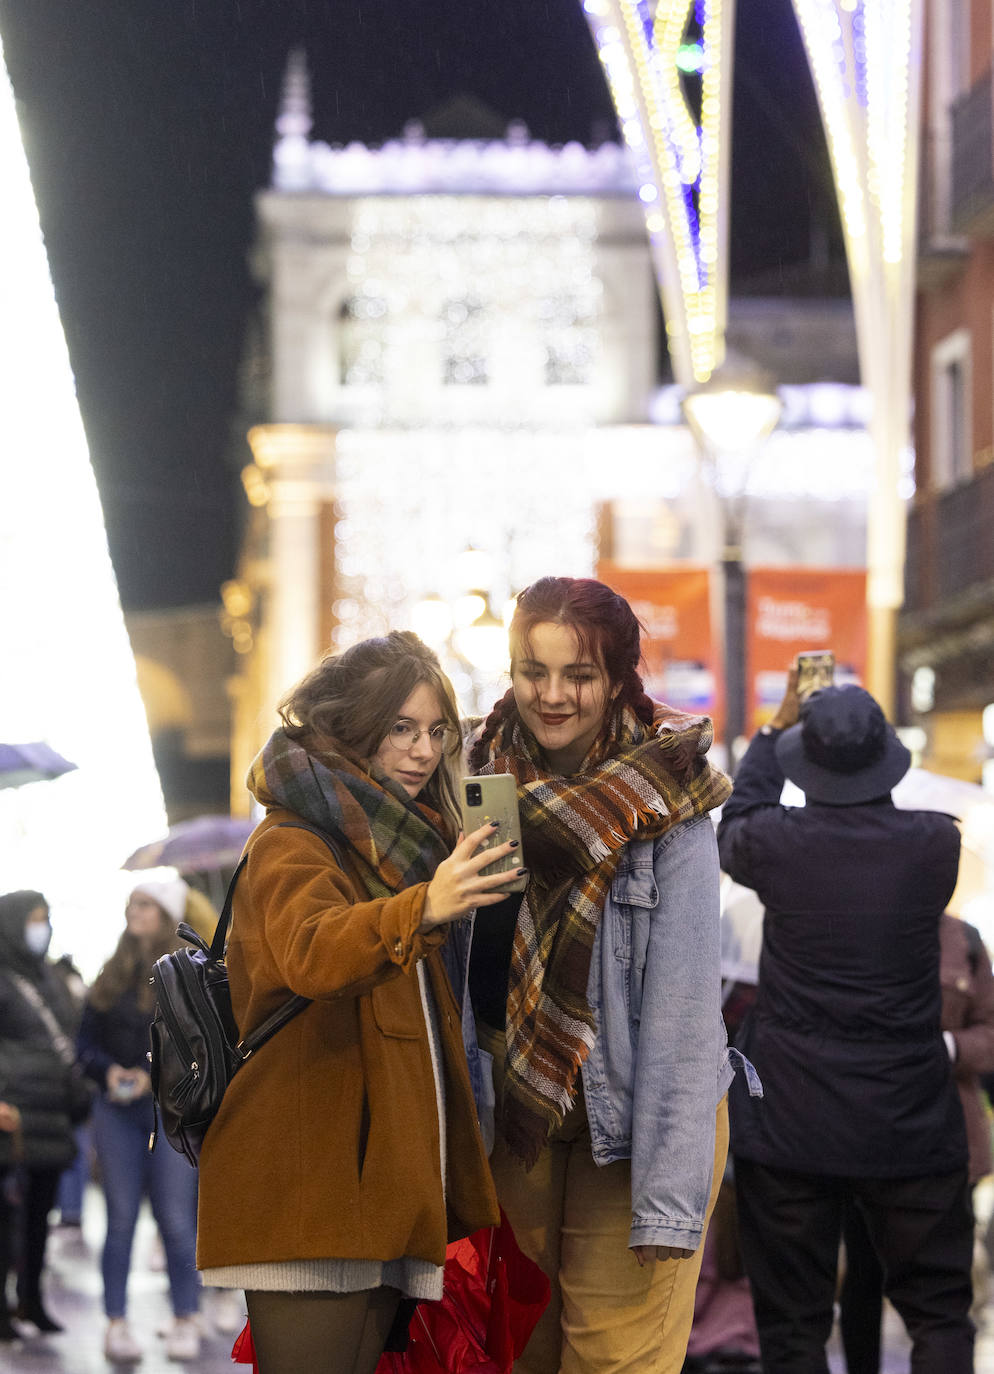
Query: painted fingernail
[(514, 843), (495, 825), (522, 873)]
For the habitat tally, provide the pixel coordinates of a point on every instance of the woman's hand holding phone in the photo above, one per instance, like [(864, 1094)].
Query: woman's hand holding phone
[(458, 886)]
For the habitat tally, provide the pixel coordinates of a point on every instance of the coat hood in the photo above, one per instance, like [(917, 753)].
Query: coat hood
[(15, 907)]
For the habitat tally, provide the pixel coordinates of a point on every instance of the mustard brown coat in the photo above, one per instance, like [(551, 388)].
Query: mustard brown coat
[(327, 1141)]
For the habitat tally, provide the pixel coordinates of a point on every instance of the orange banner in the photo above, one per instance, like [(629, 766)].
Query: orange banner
[(789, 610), (674, 605)]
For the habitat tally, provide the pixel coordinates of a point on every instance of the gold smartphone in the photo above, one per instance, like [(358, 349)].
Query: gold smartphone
[(495, 798), (814, 672)]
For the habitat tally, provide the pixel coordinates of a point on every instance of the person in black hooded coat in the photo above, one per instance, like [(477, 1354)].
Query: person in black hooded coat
[(38, 1100)]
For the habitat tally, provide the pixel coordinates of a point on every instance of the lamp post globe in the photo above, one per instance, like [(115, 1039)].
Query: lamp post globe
[(730, 415)]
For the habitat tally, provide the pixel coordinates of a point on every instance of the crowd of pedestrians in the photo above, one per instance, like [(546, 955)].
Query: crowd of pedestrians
[(561, 1057)]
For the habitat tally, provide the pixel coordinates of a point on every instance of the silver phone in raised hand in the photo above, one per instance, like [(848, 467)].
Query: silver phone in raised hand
[(495, 798)]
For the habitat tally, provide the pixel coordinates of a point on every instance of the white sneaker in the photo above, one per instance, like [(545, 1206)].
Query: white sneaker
[(228, 1311), (120, 1346), (183, 1341)]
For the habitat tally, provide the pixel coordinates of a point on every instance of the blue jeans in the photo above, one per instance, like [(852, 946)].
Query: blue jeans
[(129, 1173)]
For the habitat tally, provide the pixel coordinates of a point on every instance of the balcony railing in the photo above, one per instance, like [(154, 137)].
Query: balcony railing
[(941, 252), (973, 161), (951, 544)]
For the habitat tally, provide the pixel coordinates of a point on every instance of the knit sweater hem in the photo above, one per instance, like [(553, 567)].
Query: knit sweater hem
[(413, 1277)]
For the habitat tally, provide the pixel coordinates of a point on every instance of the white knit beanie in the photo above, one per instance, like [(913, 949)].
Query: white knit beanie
[(171, 896)]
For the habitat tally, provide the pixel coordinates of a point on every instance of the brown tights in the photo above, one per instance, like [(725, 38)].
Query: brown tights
[(321, 1333)]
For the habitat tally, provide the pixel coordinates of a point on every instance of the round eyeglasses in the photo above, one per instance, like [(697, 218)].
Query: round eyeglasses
[(405, 735)]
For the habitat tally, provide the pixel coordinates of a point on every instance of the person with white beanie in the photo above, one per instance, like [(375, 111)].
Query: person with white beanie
[(113, 1041)]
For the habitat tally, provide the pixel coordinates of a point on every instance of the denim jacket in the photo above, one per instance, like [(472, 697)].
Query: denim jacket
[(660, 1062)]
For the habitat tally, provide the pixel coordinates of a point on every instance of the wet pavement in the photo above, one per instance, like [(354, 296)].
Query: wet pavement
[(73, 1295), (897, 1348)]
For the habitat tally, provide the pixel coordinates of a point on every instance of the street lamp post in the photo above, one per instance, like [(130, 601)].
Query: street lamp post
[(730, 415)]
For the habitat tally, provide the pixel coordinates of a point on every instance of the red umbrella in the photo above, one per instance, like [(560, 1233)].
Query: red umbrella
[(492, 1298)]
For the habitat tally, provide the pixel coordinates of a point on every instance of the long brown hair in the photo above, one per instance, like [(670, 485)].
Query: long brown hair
[(129, 968), (353, 698)]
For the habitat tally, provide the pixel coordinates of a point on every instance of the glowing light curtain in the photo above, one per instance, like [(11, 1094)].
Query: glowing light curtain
[(866, 57), (662, 59), (68, 673)]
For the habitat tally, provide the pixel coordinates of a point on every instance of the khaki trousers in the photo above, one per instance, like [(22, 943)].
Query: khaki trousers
[(606, 1315)]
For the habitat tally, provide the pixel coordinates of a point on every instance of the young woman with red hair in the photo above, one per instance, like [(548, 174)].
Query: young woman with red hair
[(598, 989)]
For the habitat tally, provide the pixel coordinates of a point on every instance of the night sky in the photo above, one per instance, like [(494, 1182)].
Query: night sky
[(149, 125)]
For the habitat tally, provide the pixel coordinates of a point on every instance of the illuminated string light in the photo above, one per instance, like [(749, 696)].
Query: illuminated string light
[(690, 58), (682, 172), (866, 56), (473, 308), (861, 58), (68, 670)]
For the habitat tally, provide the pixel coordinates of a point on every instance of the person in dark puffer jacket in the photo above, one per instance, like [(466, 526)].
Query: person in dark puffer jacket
[(36, 1096)]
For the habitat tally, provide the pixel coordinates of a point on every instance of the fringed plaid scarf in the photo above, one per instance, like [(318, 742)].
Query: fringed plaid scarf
[(574, 833), (396, 841)]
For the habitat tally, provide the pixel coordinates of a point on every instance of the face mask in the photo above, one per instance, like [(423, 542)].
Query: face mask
[(38, 937)]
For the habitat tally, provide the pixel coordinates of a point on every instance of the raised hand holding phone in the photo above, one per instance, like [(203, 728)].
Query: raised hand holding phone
[(460, 883)]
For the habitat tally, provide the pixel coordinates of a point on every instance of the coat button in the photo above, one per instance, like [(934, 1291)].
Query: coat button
[(398, 948)]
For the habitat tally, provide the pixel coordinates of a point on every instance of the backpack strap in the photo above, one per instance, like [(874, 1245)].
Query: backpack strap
[(220, 940), (248, 1045)]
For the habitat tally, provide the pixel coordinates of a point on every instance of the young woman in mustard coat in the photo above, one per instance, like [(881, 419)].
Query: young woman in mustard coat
[(346, 1153)]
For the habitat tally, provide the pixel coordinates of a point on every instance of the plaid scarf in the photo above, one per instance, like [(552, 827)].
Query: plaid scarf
[(575, 831), (396, 841)]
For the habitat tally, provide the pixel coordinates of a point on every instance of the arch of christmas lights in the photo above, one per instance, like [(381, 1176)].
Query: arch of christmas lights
[(68, 670), (650, 57), (866, 62)]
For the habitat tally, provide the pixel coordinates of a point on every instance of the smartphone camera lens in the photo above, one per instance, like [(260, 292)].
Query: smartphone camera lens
[(474, 794)]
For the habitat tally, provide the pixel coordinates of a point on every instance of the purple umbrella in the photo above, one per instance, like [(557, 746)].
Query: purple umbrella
[(206, 842), (36, 762)]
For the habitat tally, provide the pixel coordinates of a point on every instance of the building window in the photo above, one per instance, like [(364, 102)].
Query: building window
[(569, 340), (952, 437), (464, 353), (361, 331), (953, 17), (949, 79)]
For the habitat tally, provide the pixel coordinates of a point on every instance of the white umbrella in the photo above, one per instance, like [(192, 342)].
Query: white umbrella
[(973, 807), (920, 790)]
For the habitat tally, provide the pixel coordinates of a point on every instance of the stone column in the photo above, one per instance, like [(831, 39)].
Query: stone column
[(297, 463)]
